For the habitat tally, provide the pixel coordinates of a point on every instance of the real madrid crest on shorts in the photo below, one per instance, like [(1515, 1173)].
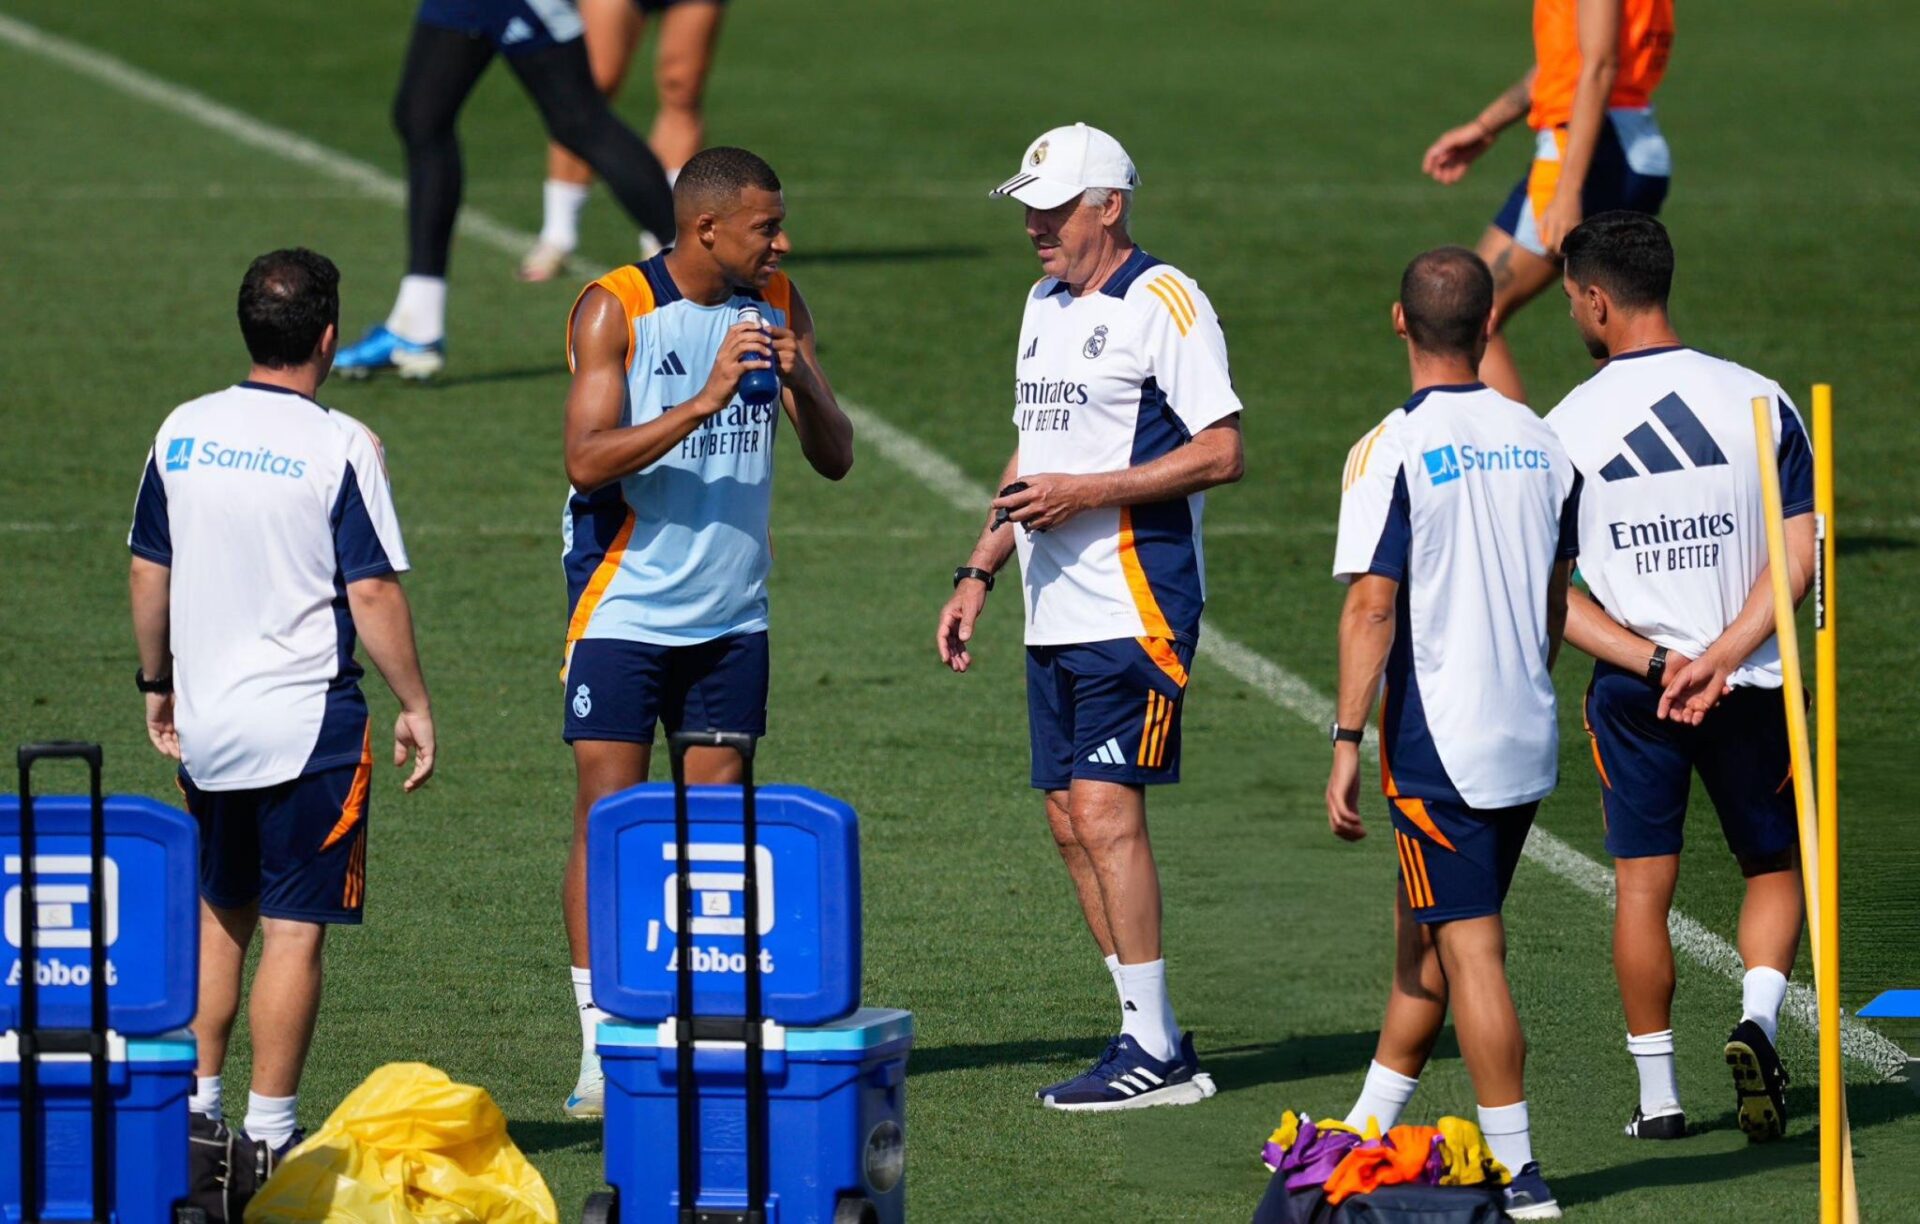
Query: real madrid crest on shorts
[(582, 702), (1096, 343)]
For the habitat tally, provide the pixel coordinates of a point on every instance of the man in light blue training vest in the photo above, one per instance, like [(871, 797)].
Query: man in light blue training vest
[(672, 473)]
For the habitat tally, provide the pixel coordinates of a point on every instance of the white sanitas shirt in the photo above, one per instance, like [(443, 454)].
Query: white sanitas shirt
[(265, 505), (1107, 381), (1672, 524), (1466, 499)]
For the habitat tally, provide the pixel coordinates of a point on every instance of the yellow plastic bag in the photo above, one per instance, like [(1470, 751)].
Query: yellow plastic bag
[(408, 1146)]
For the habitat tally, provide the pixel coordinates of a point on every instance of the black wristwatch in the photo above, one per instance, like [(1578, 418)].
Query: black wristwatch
[(163, 686), (1342, 735), (1657, 667), (964, 572)]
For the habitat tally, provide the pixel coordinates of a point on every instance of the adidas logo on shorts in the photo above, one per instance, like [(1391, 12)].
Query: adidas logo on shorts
[(1108, 754)]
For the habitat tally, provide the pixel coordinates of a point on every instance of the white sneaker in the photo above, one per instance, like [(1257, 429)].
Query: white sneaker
[(589, 1097), (544, 262)]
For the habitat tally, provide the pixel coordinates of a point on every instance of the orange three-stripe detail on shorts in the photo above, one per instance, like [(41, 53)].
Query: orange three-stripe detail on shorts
[(356, 805), (1416, 811), (1154, 731)]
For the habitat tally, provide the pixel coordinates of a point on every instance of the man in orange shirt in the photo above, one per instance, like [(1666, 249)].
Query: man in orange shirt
[(1597, 147)]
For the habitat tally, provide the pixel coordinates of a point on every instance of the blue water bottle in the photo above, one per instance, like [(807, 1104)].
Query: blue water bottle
[(759, 386)]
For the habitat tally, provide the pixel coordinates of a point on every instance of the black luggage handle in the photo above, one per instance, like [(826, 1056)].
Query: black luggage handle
[(31, 1038), (752, 1030)]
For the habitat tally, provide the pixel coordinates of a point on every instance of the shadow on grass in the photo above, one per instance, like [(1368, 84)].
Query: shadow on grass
[(1853, 545), (1868, 1105), (535, 1137), (513, 374), (1304, 1057), (1232, 1067)]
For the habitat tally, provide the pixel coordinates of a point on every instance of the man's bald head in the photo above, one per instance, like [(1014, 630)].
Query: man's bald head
[(1446, 297), (713, 179)]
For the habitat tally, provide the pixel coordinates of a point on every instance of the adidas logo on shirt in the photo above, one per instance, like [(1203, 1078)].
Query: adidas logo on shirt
[(517, 31), (671, 366), (1108, 754), (1032, 350), (1652, 450)]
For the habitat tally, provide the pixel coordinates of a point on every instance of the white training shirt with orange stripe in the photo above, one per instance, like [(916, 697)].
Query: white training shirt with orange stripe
[(1103, 382)]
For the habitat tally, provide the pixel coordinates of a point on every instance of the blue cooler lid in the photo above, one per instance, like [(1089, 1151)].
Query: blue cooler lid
[(808, 864), (866, 1029), (151, 913)]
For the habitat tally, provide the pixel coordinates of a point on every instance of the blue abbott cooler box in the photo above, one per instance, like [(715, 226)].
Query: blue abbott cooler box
[(836, 1112), (809, 885), (152, 914), (148, 1082)]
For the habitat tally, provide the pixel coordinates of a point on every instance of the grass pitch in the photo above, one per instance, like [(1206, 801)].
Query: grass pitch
[(1279, 147)]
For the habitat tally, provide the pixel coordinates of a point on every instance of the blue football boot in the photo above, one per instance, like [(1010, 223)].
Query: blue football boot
[(1127, 1077), (380, 349), (1528, 1197)]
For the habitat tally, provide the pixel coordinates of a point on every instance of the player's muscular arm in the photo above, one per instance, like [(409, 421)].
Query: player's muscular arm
[(969, 599), (1447, 159), (1214, 456), (1366, 635), (384, 621), (825, 433), (151, 586), (1599, 33), (599, 449), (1697, 688)]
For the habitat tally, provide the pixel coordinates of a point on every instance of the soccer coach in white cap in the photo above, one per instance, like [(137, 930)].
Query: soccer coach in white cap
[(1125, 415)]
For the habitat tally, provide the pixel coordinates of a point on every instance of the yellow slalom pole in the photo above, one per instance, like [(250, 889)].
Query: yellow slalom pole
[(1836, 1134), (1794, 694)]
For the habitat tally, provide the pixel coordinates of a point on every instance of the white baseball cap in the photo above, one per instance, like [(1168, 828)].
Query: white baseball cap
[(1067, 161)]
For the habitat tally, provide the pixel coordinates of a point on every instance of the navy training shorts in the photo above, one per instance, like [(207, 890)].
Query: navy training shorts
[(618, 689), (514, 27), (1646, 766), (1455, 861), (1109, 711), (298, 848)]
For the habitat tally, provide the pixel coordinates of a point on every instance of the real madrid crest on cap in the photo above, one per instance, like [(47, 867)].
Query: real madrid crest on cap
[(1039, 153)]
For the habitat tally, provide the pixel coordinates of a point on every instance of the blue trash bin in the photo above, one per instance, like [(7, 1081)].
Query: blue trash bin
[(836, 1113)]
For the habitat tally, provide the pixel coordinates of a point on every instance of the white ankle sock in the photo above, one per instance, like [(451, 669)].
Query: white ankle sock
[(1113, 971), (1653, 1059), (420, 309), (1762, 992), (561, 205), (206, 1096), (590, 1018), (1508, 1134), (1382, 1097), (1145, 1013), (271, 1119)]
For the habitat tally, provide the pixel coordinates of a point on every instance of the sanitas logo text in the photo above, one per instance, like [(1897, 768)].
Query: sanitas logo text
[(1669, 530), (1507, 458), (261, 459)]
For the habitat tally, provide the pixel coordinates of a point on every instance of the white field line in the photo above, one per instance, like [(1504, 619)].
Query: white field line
[(932, 469)]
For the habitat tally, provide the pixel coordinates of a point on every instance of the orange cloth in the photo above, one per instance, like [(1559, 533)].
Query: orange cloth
[(1646, 39), (1398, 1159)]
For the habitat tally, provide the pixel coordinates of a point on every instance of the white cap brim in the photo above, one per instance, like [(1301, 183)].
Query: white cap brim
[(1037, 192)]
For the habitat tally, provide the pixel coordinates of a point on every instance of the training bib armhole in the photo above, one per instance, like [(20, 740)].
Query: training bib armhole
[(628, 284)]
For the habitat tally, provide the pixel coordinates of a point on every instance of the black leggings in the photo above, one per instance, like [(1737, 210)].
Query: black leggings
[(441, 70)]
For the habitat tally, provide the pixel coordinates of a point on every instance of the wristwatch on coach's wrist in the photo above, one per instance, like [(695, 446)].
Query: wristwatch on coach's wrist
[(964, 572), (1657, 666), (1342, 735), (161, 686)]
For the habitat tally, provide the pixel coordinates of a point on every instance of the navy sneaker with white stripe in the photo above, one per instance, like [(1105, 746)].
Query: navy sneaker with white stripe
[(1127, 1077)]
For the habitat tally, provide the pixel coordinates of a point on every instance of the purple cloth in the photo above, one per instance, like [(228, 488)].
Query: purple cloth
[(1312, 1158)]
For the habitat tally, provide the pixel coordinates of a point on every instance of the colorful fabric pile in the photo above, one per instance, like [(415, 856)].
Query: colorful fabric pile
[(1345, 1162)]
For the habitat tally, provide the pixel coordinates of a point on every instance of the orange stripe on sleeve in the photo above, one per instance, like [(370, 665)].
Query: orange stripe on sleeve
[(1173, 308), (629, 284), (1172, 283)]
